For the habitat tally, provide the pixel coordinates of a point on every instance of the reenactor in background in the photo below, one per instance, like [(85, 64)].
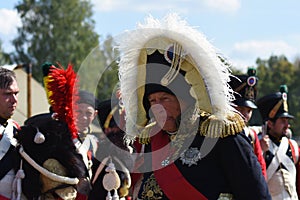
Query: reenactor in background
[(87, 113), (282, 157), (245, 92), (8, 128), (113, 153)]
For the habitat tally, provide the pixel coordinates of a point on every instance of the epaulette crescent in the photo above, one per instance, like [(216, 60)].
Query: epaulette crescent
[(210, 126), (214, 128)]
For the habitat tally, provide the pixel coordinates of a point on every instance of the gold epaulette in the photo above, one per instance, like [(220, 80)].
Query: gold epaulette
[(215, 128), (144, 136)]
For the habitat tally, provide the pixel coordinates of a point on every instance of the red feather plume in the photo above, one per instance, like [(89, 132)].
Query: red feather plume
[(63, 95)]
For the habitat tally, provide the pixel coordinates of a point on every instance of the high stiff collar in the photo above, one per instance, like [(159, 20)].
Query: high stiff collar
[(276, 140), (3, 121), (84, 134)]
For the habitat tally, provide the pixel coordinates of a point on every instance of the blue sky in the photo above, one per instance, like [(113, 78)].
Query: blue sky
[(242, 30)]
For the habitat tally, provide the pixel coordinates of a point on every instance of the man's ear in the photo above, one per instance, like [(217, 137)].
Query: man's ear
[(270, 123), (95, 114)]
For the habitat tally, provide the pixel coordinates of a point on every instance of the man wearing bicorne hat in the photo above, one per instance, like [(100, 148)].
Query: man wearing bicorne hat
[(245, 92), (282, 157), (178, 114), (112, 151)]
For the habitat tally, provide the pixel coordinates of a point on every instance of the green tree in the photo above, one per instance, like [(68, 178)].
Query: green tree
[(55, 31), (99, 71), (109, 83), (297, 63), (276, 71), (4, 57), (272, 73), (294, 93)]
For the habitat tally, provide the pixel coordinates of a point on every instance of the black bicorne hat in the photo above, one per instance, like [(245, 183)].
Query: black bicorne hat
[(38, 119), (110, 114), (274, 105), (244, 87), (156, 69)]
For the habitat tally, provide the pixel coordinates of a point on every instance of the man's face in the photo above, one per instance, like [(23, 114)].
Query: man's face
[(9, 100), (86, 114), (246, 112), (165, 108), (279, 127)]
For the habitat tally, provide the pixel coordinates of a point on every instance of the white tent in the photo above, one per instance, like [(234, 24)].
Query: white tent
[(38, 103)]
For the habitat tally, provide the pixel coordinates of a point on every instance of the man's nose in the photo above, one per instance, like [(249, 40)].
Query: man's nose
[(157, 107), (14, 98)]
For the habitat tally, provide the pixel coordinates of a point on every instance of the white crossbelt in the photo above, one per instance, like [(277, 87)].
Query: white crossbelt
[(281, 157), (7, 138)]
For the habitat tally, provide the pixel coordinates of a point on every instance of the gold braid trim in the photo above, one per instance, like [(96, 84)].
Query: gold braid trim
[(144, 136), (275, 109), (240, 87), (109, 117), (214, 128)]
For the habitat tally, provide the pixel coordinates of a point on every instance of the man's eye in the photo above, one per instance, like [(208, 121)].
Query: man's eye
[(151, 101)]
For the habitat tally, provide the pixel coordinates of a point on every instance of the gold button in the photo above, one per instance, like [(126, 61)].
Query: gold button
[(150, 193)]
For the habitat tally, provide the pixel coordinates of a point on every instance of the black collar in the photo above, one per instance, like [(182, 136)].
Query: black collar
[(3, 122), (276, 140)]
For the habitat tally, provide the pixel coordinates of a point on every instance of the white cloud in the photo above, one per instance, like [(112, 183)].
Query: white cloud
[(243, 64), (264, 48), (223, 5), (149, 6), (109, 5), (245, 53), (9, 20), (141, 6), (158, 5)]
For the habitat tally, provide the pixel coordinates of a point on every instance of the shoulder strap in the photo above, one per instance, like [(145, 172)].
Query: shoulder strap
[(252, 135), (6, 163), (295, 150)]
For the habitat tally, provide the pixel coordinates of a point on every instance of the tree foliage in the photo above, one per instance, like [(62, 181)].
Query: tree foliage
[(99, 71), (108, 85), (4, 57), (55, 31), (275, 71)]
